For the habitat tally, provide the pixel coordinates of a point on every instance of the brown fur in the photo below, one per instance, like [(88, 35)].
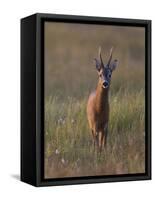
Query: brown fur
[(98, 115)]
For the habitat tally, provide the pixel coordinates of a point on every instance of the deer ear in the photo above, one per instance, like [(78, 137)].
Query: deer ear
[(113, 65), (98, 65)]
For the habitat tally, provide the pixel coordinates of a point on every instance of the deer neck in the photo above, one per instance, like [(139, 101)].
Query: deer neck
[(102, 97)]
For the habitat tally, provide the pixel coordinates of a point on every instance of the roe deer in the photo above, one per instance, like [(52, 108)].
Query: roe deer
[(98, 104)]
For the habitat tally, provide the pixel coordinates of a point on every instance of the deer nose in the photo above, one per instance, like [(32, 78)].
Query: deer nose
[(105, 84)]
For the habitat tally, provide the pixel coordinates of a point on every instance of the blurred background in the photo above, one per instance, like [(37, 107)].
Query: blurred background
[(70, 50)]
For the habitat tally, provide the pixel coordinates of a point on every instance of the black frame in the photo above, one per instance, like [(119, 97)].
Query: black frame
[(32, 99)]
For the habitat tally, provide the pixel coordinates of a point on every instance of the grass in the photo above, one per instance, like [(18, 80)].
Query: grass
[(68, 141)]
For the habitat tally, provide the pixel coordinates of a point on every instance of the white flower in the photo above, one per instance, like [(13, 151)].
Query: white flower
[(63, 161), (61, 121), (57, 151), (72, 121)]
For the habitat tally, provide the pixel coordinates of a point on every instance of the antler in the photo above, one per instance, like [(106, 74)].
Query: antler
[(110, 57), (101, 57)]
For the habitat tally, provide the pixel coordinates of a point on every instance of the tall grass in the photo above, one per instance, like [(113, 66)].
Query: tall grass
[(68, 142)]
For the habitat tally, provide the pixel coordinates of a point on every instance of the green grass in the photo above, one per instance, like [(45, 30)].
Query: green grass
[(68, 141)]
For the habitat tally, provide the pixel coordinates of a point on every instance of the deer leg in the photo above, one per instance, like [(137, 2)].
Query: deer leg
[(93, 138), (97, 140), (101, 140), (105, 135)]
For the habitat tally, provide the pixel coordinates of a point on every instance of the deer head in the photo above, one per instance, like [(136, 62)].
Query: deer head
[(105, 71)]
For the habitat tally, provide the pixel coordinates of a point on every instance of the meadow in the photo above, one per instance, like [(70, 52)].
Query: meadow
[(70, 76)]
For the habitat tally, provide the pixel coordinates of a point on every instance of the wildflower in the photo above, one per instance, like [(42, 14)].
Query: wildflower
[(57, 151), (61, 121), (72, 121), (63, 161)]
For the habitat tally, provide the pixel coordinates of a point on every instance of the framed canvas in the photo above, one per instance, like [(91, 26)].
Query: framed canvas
[(85, 99)]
